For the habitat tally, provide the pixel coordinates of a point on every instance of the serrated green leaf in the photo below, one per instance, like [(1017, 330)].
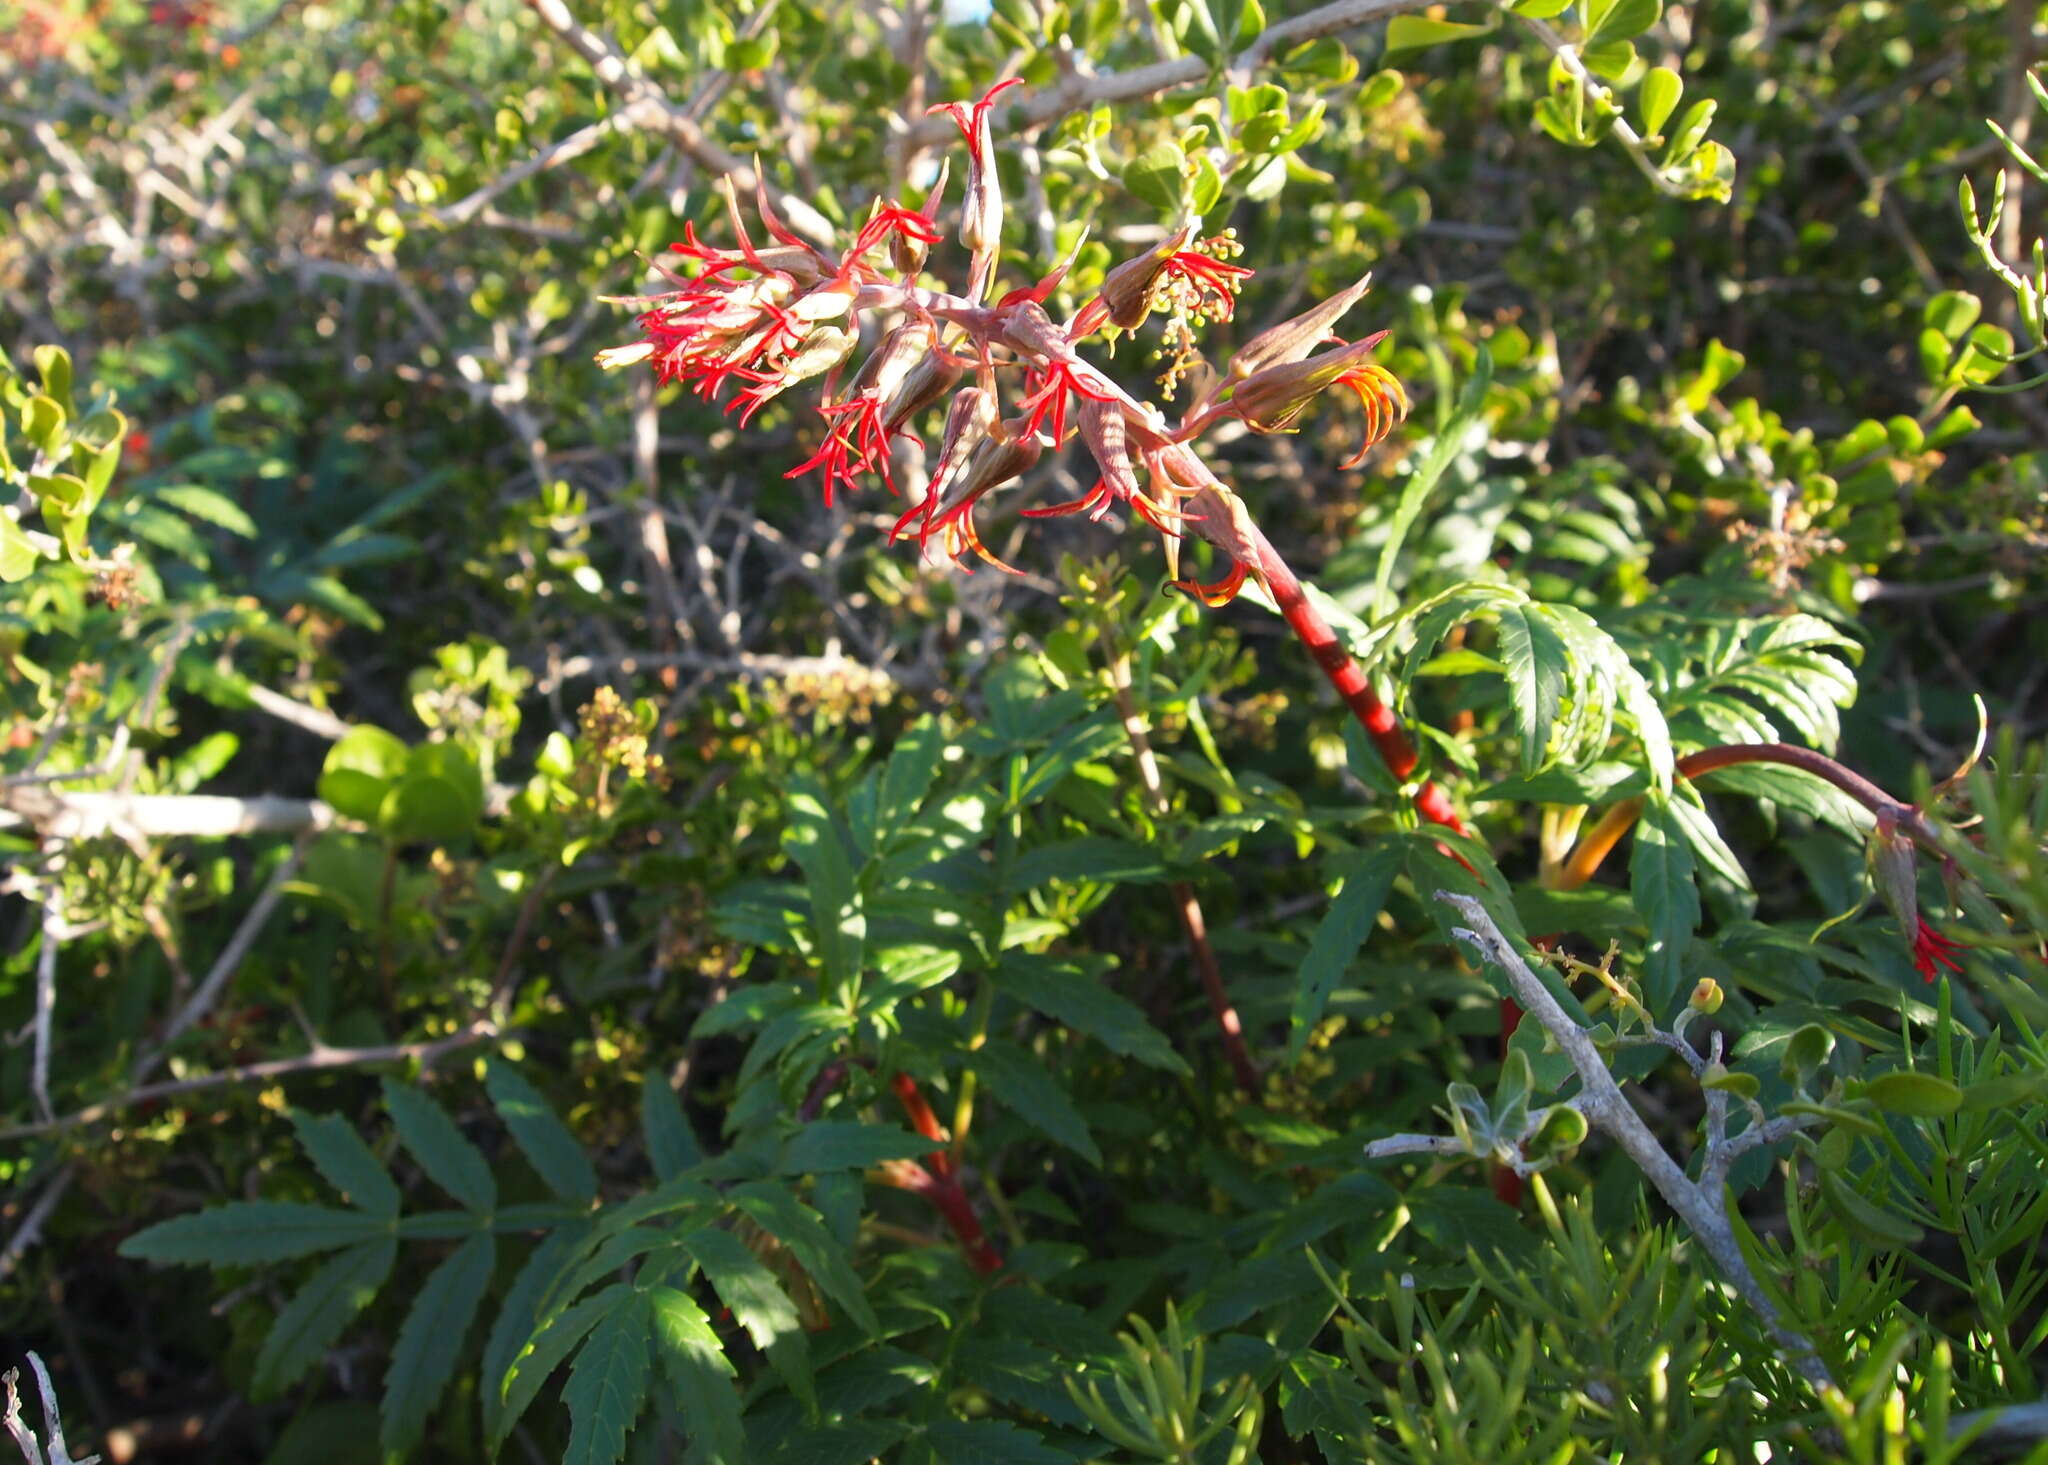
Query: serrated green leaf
[(990, 1442), (519, 1314), (545, 1140), (537, 1359), (759, 1304), (319, 1311), (1021, 1084), (1361, 895), (671, 1144), (249, 1233), (802, 1230), (1444, 450), (608, 1386), (207, 505), (345, 1162), (1090, 857), (838, 924), (845, 1144), (1706, 841), (908, 775), (1070, 996), (430, 1339), (699, 1374), (451, 1161), (1661, 882), (1537, 664)]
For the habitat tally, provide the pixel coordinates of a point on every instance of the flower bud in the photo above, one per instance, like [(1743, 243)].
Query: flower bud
[(1291, 340), (1271, 399), (930, 378), (1706, 997), (1894, 870), (1103, 430), (908, 252), (884, 373), (1126, 294), (981, 213)]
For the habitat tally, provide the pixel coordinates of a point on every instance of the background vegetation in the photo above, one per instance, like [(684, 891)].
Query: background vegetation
[(504, 887)]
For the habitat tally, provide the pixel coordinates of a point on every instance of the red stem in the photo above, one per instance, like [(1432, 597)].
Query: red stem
[(941, 1183), (1227, 1021), (950, 1200), (1349, 678), (923, 1121)]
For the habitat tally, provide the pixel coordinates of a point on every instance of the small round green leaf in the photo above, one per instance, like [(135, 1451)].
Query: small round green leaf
[(1658, 98)]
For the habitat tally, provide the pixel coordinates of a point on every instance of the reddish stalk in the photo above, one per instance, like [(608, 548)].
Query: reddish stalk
[(949, 1200), (1345, 674), (1228, 1025), (1598, 842), (940, 1184)]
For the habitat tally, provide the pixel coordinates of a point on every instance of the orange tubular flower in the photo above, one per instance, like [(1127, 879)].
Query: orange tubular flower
[(1222, 592), (1271, 399)]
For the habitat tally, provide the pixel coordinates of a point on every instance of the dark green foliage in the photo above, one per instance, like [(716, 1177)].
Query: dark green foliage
[(731, 1002)]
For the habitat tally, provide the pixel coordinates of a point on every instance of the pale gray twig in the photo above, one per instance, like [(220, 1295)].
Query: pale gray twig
[(1701, 1205), (53, 1425)]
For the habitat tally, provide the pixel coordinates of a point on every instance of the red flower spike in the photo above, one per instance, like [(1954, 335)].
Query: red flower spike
[(1932, 950), (1222, 592)]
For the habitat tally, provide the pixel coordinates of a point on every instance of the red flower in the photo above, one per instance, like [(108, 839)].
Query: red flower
[(969, 117), (893, 220), (1932, 950), (857, 442), (1203, 284), (1050, 400)]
